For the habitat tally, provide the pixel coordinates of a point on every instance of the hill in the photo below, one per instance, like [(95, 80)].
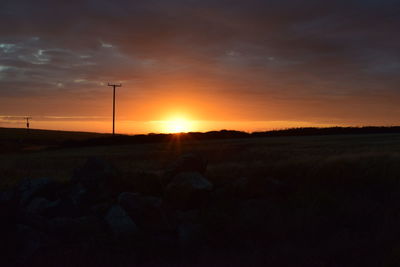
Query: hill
[(16, 139)]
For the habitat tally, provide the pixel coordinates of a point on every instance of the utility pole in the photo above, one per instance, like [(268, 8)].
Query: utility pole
[(27, 122), (114, 85)]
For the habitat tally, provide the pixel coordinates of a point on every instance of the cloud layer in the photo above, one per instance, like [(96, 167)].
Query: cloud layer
[(262, 60)]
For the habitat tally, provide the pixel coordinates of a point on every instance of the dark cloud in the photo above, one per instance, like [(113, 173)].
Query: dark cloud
[(286, 50)]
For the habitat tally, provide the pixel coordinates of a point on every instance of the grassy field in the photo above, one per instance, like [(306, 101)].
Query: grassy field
[(18, 139), (287, 158), (17, 134), (309, 201)]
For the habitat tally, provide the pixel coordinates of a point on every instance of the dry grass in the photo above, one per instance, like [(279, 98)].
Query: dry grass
[(338, 196), (288, 158)]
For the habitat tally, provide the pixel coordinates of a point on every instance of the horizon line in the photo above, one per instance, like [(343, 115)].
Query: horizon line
[(191, 132)]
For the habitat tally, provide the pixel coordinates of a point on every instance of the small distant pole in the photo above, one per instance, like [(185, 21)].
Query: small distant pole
[(27, 122), (114, 85)]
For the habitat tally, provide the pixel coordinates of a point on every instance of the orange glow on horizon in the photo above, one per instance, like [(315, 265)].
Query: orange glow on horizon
[(180, 107), (171, 125), (177, 124)]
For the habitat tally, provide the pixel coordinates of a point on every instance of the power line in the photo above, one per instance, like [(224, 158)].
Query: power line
[(27, 122), (114, 85)]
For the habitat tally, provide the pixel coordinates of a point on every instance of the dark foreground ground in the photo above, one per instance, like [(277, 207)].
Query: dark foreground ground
[(277, 201)]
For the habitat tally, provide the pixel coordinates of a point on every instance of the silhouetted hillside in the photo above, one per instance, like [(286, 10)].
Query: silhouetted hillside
[(227, 134), (12, 140), (17, 139)]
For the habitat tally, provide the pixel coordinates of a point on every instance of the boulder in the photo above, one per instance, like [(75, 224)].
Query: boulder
[(100, 209), (95, 174), (254, 213), (186, 163), (216, 219), (188, 216), (136, 201), (144, 210), (160, 248), (9, 217), (188, 190), (33, 220), (9, 208), (7, 196), (40, 205), (191, 235), (120, 223), (64, 207), (29, 188), (78, 194), (79, 228), (147, 183), (30, 241), (192, 241)]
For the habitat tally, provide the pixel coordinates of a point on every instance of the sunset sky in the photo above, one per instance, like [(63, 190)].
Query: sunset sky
[(207, 64)]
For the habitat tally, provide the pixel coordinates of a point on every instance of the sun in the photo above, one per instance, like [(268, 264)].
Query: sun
[(177, 125)]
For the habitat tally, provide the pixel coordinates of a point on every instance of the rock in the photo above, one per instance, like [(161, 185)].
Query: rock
[(7, 197), (189, 232), (30, 241), (40, 205), (9, 212), (190, 216), (191, 235), (144, 210), (162, 248), (64, 207), (120, 223), (75, 228), (9, 208), (186, 163), (100, 209), (254, 212), (136, 201), (95, 174), (78, 194), (147, 183), (188, 190), (29, 188), (216, 220), (33, 220)]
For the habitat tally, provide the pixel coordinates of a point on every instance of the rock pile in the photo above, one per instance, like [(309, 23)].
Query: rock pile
[(93, 221)]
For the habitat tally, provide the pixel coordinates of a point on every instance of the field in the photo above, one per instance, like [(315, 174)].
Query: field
[(17, 139), (308, 200), (288, 158)]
